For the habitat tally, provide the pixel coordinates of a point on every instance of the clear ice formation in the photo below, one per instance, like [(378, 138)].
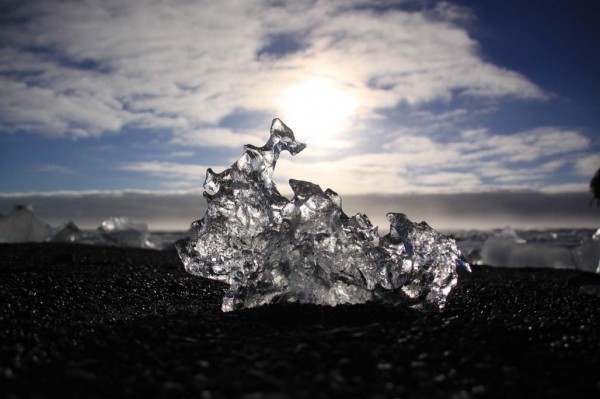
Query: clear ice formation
[(23, 225), (537, 249), (587, 255), (270, 249), (68, 232), (512, 252), (121, 231)]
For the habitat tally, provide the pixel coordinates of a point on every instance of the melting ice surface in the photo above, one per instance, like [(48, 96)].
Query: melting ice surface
[(271, 249)]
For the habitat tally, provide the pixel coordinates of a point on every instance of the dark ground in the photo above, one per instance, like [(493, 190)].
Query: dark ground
[(82, 321)]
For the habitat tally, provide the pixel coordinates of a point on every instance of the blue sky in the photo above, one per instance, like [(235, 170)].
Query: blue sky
[(393, 97)]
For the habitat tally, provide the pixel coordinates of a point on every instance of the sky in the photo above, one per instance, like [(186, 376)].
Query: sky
[(399, 99)]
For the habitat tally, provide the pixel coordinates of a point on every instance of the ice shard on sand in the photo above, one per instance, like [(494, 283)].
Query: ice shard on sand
[(270, 249)]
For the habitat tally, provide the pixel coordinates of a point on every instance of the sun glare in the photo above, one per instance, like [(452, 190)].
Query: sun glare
[(317, 109)]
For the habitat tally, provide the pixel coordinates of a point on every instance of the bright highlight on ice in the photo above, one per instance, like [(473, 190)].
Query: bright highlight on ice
[(271, 249)]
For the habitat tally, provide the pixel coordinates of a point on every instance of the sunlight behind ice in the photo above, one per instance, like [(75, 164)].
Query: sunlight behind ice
[(329, 103), (270, 249)]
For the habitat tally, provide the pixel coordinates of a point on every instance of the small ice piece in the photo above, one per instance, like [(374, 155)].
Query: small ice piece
[(121, 231), (470, 243), (270, 249), (587, 255), (22, 225), (68, 232)]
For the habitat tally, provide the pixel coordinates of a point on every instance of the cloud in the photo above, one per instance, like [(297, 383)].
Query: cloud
[(169, 170), (182, 154), (474, 161), (452, 12), (445, 179), (588, 165), (80, 69), (57, 169), (212, 75), (527, 146), (29, 108), (471, 161), (215, 137)]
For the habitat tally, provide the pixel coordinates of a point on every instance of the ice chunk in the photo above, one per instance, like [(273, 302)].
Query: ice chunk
[(270, 249), (121, 231), (470, 243), (561, 249), (22, 225), (587, 255), (508, 249), (68, 232)]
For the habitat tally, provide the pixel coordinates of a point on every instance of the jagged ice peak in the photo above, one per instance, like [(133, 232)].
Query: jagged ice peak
[(270, 249)]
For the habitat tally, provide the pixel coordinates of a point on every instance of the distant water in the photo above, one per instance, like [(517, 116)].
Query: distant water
[(557, 248), (568, 238)]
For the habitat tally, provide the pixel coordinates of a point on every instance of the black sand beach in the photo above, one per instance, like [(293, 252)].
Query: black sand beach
[(83, 321)]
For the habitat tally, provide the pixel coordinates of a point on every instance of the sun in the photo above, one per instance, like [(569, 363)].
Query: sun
[(317, 109)]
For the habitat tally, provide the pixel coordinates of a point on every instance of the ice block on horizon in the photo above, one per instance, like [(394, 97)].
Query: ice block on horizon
[(68, 232), (270, 249), (121, 231), (21, 224)]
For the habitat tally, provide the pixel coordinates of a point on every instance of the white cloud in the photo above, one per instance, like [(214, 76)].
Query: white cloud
[(216, 137), (530, 145), (86, 69), (56, 169), (28, 108), (452, 12), (588, 165), (171, 170), (97, 68), (182, 154), (475, 161), (444, 179), (353, 175)]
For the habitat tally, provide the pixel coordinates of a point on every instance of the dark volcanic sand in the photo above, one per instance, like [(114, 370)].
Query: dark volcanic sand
[(82, 321)]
